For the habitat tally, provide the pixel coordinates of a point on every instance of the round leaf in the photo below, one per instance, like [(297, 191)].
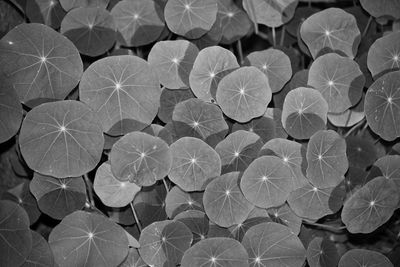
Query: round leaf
[(48, 12), (112, 192), (368, 258), (244, 94), (178, 201), (41, 254), (68, 4), (304, 112), (370, 206), (91, 29), (124, 92), (322, 253), (217, 251), (267, 182), (196, 221), (193, 164), (379, 9), (140, 158), (301, 14), (361, 152), (272, 244), (133, 259), (285, 216), (349, 117), (39, 63), (389, 165), (169, 99), (190, 18), (61, 139)]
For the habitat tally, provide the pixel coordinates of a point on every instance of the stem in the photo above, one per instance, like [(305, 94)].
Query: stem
[(273, 36), (309, 3), (166, 185), (263, 35), (240, 51), (326, 227), (354, 127), (283, 32), (367, 27), (136, 217), (89, 188)]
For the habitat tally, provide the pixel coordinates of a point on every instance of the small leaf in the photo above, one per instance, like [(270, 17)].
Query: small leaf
[(355, 257), (350, 117), (389, 165), (169, 99), (48, 12), (196, 221), (322, 253), (178, 201), (285, 216)]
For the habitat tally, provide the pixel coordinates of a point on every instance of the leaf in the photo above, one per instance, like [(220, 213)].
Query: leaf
[(16, 238), (370, 206), (178, 201), (275, 64), (169, 99), (244, 94), (173, 61), (384, 55), (212, 37), (256, 216), (238, 150), (122, 216), (110, 190), (196, 221), (48, 12), (350, 117), (164, 242), (339, 80), (53, 134), (138, 22), (331, 30), (322, 253), (389, 165), (124, 92), (91, 29), (196, 118), (304, 112), (39, 63), (360, 152), (58, 197), (68, 4), (272, 244), (382, 106), (389, 8), (272, 13), (191, 19), (140, 158), (217, 251), (224, 203), (299, 79), (355, 178), (10, 16), (355, 257), (327, 160), (300, 15), (285, 216), (133, 259), (313, 203), (159, 131), (193, 164), (41, 254), (211, 65), (267, 182), (88, 239)]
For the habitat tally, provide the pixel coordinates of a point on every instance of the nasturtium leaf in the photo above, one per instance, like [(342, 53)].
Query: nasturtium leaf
[(389, 166), (190, 18), (169, 99), (111, 191), (48, 12), (164, 242), (224, 202), (140, 158), (122, 216), (178, 200), (349, 117), (173, 61), (58, 197), (273, 244), (16, 238), (284, 215), (238, 150), (364, 257), (211, 65), (256, 216), (124, 92), (382, 106), (339, 80), (159, 131), (196, 221), (370, 206), (331, 30), (41, 254), (193, 163), (214, 230), (10, 113), (313, 203), (361, 152), (264, 126), (275, 64), (384, 8), (384, 54), (39, 63), (267, 182), (301, 14), (299, 79), (71, 4), (272, 13), (91, 29), (234, 21), (321, 252), (326, 158), (196, 118), (10, 16), (133, 259), (88, 239), (304, 112), (138, 22), (217, 251), (244, 94), (292, 154), (355, 179)]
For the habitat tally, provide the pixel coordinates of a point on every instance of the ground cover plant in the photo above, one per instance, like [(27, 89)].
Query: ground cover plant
[(200, 133)]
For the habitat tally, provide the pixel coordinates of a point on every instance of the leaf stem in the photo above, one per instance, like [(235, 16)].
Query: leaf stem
[(273, 36), (355, 127), (240, 51), (326, 227), (89, 189), (367, 27), (283, 32), (166, 185), (136, 217), (262, 35)]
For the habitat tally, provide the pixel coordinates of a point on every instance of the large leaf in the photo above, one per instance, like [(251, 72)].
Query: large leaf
[(124, 92), (370, 206), (273, 244), (368, 258), (322, 253), (39, 63), (382, 8), (48, 12), (382, 106), (61, 139), (41, 254)]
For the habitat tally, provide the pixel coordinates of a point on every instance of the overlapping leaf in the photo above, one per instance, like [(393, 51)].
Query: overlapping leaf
[(178, 201), (169, 99), (355, 257), (41, 254), (386, 8), (71, 4), (196, 221), (389, 165), (349, 117), (322, 252), (361, 152), (285, 216), (48, 12)]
